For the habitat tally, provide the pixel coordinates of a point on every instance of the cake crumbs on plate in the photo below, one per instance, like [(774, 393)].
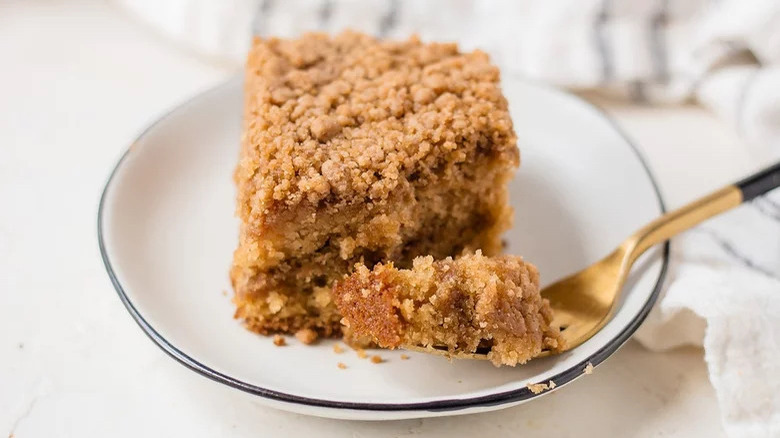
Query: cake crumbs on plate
[(538, 388), (341, 366), (307, 336), (376, 359), (404, 357), (337, 349), (279, 341), (588, 368), (361, 353)]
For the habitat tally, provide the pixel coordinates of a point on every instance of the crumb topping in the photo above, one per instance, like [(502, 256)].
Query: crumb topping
[(350, 117)]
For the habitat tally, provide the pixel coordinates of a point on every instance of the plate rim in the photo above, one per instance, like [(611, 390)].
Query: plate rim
[(446, 404)]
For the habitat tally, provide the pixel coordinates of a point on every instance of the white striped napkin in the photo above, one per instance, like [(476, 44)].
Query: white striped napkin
[(723, 54)]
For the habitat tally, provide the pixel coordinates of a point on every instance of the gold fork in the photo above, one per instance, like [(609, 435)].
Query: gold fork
[(585, 301)]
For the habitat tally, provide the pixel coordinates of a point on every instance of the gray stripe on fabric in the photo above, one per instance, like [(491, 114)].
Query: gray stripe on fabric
[(324, 13), (390, 19), (769, 201), (658, 43), (266, 5), (766, 209), (735, 255), (261, 16), (637, 93), (601, 41)]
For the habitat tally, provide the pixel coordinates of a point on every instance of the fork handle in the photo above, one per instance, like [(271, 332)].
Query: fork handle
[(698, 211), (760, 183)]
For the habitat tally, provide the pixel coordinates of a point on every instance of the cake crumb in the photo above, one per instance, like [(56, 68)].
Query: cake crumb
[(551, 384), (361, 353), (279, 341), (376, 359), (588, 368), (538, 388), (341, 366), (224, 293), (398, 307), (337, 349), (404, 357), (307, 336)]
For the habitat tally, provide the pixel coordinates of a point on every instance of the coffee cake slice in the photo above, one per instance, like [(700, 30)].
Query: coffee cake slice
[(357, 150), (470, 303)]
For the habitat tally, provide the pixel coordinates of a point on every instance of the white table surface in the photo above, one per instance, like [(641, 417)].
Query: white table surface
[(77, 82)]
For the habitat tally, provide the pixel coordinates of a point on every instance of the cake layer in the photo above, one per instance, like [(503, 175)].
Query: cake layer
[(297, 285)]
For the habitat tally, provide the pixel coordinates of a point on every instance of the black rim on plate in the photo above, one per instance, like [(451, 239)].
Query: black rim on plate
[(448, 404)]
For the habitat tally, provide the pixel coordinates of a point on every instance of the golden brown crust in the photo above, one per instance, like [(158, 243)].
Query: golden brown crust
[(358, 151), (461, 304)]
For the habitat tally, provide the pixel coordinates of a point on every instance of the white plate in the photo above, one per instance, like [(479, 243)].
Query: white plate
[(167, 231)]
